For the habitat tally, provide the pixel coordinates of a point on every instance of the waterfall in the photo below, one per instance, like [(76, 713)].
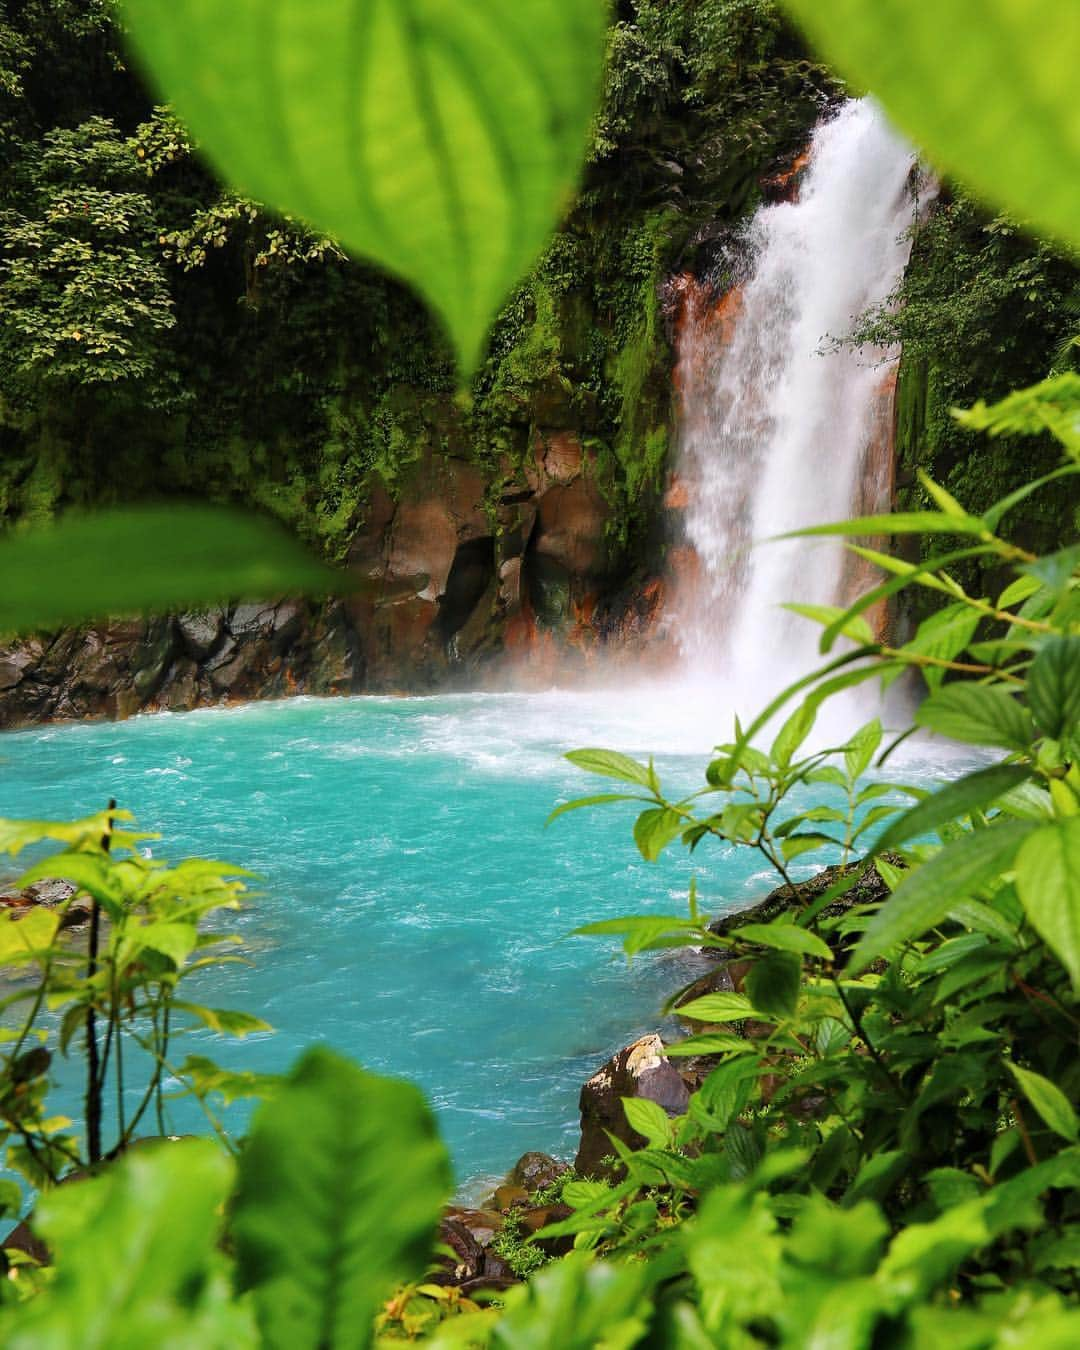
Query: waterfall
[(780, 428)]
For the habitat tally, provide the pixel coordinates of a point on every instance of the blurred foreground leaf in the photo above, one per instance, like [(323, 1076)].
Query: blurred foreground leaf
[(136, 1259), (132, 559), (341, 1185), (987, 88), (441, 140)]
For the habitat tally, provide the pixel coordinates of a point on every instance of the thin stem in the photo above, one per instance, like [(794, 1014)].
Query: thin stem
[(215, 1124), (875, 1054), (93, 1068), (164, 1051)]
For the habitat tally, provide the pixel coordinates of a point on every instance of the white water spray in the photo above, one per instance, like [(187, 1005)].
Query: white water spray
[(778, 429)]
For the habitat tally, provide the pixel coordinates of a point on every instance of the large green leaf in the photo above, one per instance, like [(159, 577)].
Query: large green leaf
[(927, 894), (133, 559), (1048, 1099), (611, 764), (441, 140), (987, 88), (977, 715), (134, 1248), (972, 792), (1053, 687), (341, 1184), (1048, 882)]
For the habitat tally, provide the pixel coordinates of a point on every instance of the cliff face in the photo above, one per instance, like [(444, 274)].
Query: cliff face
[(456, 587)]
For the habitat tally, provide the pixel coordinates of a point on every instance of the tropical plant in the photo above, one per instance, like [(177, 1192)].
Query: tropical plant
[(117, 997)]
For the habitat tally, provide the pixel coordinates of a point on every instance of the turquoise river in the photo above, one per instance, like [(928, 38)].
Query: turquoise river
[(413, 911)]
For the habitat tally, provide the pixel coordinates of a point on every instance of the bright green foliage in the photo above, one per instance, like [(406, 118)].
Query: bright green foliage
[(441, 143), (334, 1149), (1048, 882), (136, 1258), (84, 296), (904, 1072), (940, 69), (120, 988), (149, 558)]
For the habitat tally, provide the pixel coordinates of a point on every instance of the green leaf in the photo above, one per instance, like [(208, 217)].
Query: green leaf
[(26, 935), (1048, 883), (598, 800), (610, 764), (785, 937), (171, 939), (975, 791), (795, 845), (133, 559), (225, 1020), (855, 627), (792, 734), (341, 1184), (90, 872), (649, 1119), (134, 1248), (645, 932), (927, 894), (655, 829), (15, 835), (901, 522), (904, 575), (441, 141), (932, 67), (944, 636), (773, 983), (977, 715), (709, 1043), (862, 747), (1053, 688), (717, 1008), (1048, 1099), (578, 1303)]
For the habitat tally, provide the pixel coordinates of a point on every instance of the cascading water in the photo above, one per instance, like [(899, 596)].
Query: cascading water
[(778, 426)]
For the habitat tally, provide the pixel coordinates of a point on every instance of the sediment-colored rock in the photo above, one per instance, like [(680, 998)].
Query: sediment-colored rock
[(638, 1070)]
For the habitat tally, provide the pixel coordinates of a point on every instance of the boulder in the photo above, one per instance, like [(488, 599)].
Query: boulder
[(508, 1196), (200, 631), (869, 889), (482, 1224), (534, 1171), (638, 1070)]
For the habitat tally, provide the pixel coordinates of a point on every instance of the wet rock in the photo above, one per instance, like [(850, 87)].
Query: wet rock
[(49, 892), (639, 1070), (180, 688), (467, 1261), (868, 889), (10, 673), (508, 1196), (247, 621), (153, 658), (338, 666), (482, 1224), (570, 525), (200, 632), (534, 1171)]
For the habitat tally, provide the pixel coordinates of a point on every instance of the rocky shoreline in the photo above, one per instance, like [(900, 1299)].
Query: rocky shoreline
[(485, 1239)]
